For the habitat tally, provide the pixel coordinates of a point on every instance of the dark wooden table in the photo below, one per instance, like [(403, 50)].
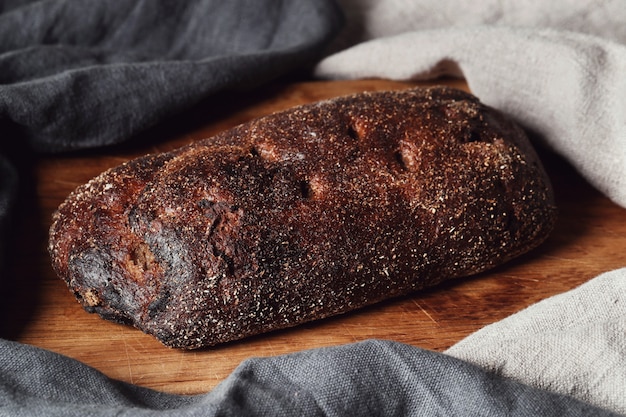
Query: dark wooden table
[(588, 240)]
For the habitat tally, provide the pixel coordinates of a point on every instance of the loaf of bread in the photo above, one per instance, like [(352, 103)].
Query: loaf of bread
[(303, 214)]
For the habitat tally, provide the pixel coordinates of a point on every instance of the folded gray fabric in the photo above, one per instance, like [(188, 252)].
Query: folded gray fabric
[(85, 73), (373, 378), (573, 343), (567, 87), (8, 192)]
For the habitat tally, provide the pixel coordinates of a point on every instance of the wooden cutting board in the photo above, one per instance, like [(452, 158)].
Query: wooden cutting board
[(588, 240)]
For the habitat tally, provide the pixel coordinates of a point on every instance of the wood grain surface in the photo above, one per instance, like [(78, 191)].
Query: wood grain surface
[(38, 309)]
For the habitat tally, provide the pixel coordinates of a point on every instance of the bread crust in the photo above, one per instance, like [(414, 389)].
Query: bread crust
[(303, 214)]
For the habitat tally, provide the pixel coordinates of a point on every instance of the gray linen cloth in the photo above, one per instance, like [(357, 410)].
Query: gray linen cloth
[(8, 192), (77, 74), (372, 378)]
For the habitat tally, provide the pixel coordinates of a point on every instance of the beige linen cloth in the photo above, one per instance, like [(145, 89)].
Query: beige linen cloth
[(559, 69)]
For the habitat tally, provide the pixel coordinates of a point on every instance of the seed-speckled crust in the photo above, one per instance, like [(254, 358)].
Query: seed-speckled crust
[(303, 214)]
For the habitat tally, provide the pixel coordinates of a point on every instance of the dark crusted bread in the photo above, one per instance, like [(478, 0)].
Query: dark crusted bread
[(303, 214)]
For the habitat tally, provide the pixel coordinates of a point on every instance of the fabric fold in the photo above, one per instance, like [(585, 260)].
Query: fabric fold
[(81, 74), (371, 378), (8, 195)]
